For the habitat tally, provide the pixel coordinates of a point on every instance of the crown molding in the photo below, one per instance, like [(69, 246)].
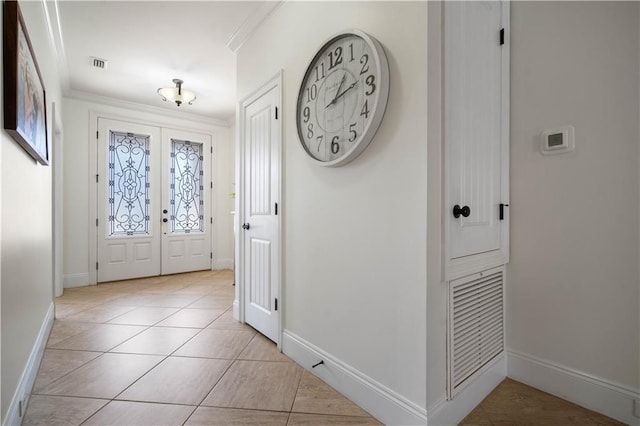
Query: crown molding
[(251, 24), (54, 27), (104, 100)]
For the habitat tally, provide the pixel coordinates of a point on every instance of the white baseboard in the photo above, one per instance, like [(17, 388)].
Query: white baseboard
[(28, 377), (75, 280), (219, 264), (452, 412), (236, 310), (381, 402), (602, 396)]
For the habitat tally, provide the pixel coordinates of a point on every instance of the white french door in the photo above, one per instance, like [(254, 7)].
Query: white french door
[(129, 200), (153, 201), (260, 233), (186, 237)]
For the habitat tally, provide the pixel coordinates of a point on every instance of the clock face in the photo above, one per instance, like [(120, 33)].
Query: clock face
[(342, 98)]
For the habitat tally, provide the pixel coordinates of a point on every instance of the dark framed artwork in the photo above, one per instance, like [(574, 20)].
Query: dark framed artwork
[(25, 115)]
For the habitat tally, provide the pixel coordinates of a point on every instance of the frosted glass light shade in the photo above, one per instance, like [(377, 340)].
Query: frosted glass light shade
[(177, 94)]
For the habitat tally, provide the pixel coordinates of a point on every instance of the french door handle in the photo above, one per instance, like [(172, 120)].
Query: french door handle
[(246, 226), (461, 211)]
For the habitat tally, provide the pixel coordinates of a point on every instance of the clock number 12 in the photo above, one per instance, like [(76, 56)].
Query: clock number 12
[(335, 58)]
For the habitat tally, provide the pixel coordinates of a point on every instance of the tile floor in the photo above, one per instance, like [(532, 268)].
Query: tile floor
[(514, 403), (166, 351)]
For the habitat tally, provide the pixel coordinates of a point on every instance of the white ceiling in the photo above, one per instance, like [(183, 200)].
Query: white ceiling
[(149, 43)]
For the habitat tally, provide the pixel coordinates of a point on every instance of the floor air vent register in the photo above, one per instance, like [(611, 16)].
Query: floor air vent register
[(475, 326)]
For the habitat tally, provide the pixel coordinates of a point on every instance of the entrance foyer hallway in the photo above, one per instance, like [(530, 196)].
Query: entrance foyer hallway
[(167, 351)]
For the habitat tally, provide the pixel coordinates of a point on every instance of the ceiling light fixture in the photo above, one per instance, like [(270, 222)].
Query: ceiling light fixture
[(177, 94)]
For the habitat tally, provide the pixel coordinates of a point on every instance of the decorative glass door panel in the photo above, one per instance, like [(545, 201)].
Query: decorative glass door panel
[(187, 187), (129, 184), (153, 201)]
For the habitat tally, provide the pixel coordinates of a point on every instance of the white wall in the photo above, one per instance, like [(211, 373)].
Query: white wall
[(26, 198), (355, 236), (77, 180), (573, 290)]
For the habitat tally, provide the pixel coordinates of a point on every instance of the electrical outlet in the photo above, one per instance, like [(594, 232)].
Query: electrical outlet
[(636, 407)]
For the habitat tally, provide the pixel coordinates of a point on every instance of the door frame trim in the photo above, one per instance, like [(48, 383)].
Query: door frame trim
[(277, 82), (57, 173), (94, 115)]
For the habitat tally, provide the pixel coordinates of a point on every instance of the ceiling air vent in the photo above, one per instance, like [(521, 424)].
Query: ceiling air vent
[(99, 63)]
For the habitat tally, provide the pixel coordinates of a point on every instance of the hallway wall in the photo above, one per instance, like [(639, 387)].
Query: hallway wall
[(26, 227), (77, 181), (355, 236), (573, 289)]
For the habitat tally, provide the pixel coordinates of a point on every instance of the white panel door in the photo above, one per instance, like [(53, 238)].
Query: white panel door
[(261, 240), (186, 219), (128, 222), (473, 125)]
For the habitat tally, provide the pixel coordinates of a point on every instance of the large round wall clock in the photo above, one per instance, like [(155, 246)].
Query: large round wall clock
[(342, 98)]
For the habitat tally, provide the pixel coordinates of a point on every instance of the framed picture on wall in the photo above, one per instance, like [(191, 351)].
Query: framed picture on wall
[(25, 115)]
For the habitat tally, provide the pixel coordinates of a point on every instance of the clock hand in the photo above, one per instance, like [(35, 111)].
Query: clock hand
[(344, 76), (346, 90), (342, 94)]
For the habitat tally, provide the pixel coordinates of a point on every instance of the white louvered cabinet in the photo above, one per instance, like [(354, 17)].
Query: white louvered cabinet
[(475, 95)]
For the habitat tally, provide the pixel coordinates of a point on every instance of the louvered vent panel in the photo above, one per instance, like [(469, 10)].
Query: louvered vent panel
[(99, 62), (476, 332)]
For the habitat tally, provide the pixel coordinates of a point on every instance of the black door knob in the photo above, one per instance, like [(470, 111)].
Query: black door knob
[(246, 226), (458, 211), (165, 220), (165, 211)]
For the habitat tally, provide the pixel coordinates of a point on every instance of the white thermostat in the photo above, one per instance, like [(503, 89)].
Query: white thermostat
[(557, 141)]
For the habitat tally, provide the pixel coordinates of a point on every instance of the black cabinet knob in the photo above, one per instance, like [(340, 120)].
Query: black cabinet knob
[(461, 211), (165, 211), (165, 220), (246, 226)]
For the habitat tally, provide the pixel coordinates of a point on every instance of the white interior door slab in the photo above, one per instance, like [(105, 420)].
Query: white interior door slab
[(473, 78), (261, 231), (128, 223), (186, 216)]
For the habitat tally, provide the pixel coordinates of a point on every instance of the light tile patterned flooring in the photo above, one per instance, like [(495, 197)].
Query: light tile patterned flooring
[(167, 351), (514, 403)]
